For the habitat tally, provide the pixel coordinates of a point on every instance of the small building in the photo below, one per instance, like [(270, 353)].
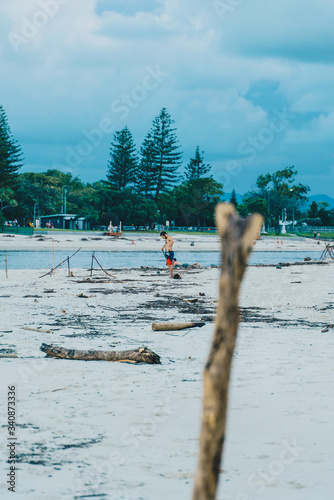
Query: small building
[(64, 221), (83, 223)]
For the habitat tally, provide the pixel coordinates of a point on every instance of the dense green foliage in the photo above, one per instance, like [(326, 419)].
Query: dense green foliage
[(144, 187), (273, 195), (319, 212)]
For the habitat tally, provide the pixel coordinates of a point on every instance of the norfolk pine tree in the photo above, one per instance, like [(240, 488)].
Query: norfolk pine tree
[(167, 157), (146, 176), (123, 160), (10, 154), (196, 167), (199, 193), (233, 199)]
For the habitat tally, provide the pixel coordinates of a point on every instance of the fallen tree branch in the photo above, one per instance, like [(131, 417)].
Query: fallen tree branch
[(166, 327), (237, 238), (101, 267), (328, 252), (141, 355)]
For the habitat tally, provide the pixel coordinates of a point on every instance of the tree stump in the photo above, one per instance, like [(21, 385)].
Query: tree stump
[(141, 355), (237, 239)]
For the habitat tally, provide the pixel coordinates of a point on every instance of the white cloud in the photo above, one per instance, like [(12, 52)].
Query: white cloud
[(90, 54), (299, 30)]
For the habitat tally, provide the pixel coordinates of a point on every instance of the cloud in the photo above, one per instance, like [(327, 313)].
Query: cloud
[(221, 78), (300, 30), (130, 7)]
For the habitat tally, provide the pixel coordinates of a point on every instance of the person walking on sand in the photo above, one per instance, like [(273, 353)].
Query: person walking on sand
[(168, 251)]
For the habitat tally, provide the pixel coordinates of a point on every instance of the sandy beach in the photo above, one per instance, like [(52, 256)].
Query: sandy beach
[(121, 431), (129, 242)]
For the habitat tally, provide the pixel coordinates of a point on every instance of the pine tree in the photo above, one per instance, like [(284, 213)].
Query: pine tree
[(196, 167), (313, 210), (167, 157), (233, 199), (146, 172), (10, 154), (123, 160)]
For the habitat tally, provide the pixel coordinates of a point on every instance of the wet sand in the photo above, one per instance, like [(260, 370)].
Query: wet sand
[(122, 431)]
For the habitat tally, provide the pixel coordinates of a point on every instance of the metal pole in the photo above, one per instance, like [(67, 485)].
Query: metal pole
[(65, 191)]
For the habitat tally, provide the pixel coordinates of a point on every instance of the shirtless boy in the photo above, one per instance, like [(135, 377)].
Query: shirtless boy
[(168, 249)]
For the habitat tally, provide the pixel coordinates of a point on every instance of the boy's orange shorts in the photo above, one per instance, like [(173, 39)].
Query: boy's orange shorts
[(169, 259)]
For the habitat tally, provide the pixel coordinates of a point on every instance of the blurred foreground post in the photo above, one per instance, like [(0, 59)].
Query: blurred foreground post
[(237, 239)]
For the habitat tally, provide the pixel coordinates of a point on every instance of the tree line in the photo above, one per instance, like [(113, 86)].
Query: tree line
[(278, 196), (144, 186)]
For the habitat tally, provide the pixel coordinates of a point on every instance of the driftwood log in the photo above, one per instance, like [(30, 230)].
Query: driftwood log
[(237, 238), (141, 355), (167, 327), (35, 329)]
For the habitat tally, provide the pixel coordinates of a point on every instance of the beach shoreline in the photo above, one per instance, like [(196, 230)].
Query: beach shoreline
[(129, 432), (62, 241)]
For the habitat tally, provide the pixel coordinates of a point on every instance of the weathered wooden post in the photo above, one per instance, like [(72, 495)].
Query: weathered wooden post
[(91, 265), (237, 239), (53, 257)]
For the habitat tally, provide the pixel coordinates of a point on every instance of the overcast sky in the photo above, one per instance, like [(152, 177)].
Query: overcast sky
[(249, 81)]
